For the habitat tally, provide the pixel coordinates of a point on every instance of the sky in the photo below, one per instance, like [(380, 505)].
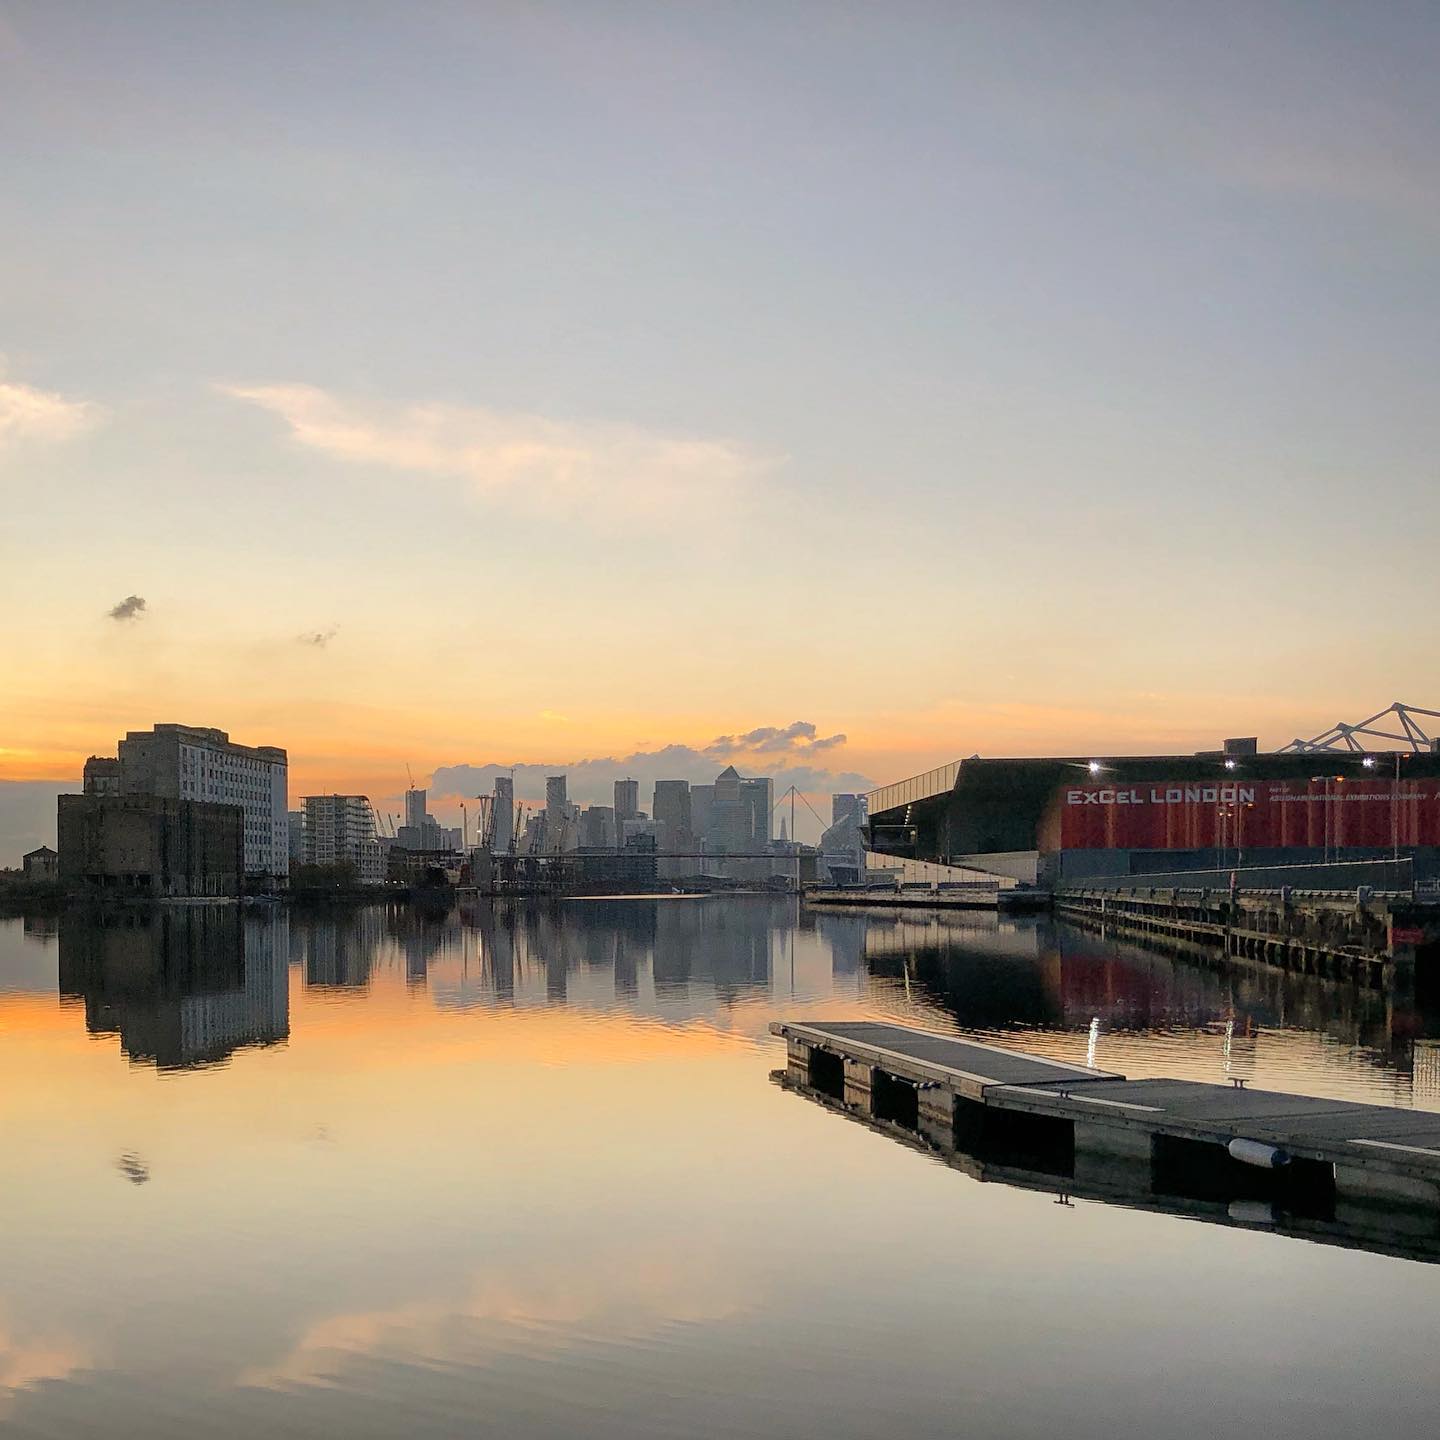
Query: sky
[(460, 385)]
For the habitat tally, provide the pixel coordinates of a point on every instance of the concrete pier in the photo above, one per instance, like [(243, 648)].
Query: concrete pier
[(1369, 939), (951, 1091), (1014, 900)]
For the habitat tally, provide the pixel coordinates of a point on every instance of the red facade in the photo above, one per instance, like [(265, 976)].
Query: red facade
[(1184, 815)]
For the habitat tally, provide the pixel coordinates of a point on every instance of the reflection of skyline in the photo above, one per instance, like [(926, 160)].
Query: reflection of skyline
[(183, 986), (335, 951), (639, 951), (1026, 982)]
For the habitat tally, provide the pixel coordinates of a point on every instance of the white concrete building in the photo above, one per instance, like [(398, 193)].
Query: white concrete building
[(372, 862), (336, 826), (188, 762)]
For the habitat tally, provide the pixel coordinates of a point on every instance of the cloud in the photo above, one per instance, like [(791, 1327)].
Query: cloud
[(130, 608), (527, 460), (783, 753), (629, 1294), (28, 415), (318, 638), (27, 1361), (799, 736)]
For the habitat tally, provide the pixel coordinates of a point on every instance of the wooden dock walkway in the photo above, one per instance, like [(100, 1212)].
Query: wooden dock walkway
[(951, 1088)]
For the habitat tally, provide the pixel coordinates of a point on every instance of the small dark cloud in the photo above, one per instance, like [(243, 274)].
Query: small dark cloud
[(319, 638), (133, 1168), (130, 608)]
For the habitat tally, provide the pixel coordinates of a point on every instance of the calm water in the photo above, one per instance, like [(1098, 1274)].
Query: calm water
[(523, 1172)]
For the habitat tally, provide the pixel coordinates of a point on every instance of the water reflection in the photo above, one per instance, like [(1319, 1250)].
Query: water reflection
[(180, 986), (189, 986), (387, 1171), (1234, 1196), (1147, 1012)]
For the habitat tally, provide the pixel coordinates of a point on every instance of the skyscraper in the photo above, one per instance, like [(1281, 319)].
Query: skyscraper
[(555, 797), (504, 815), (627, 800), (671, 808), (758, 796), (731, 823), (597, 829), (415, 811), (702, 802)]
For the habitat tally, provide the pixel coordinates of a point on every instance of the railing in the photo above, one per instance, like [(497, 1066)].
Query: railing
[(1336, 875), (926, 873)]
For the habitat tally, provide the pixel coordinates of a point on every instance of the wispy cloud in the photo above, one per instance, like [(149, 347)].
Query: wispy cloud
[(1278, 144), (29, 1360), (319, 639), (520, 459), (28, 415), (623, 1294), (132, 607)]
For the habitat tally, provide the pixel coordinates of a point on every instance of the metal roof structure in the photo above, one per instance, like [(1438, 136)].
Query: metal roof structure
[(1342, 737)]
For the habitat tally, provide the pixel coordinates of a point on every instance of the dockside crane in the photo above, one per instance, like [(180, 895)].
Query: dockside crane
[(485, 822)]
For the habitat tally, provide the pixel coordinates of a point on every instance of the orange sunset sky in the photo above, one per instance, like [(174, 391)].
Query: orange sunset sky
[(500, 384)]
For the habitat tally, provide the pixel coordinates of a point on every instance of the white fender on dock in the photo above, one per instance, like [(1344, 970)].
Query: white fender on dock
[(1257, 1152)]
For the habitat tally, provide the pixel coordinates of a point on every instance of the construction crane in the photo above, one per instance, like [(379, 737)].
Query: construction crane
[(485, 822), (538, 847)]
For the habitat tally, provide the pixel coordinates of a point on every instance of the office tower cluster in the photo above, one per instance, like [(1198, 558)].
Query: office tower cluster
[(724, 827), (421, 830)]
